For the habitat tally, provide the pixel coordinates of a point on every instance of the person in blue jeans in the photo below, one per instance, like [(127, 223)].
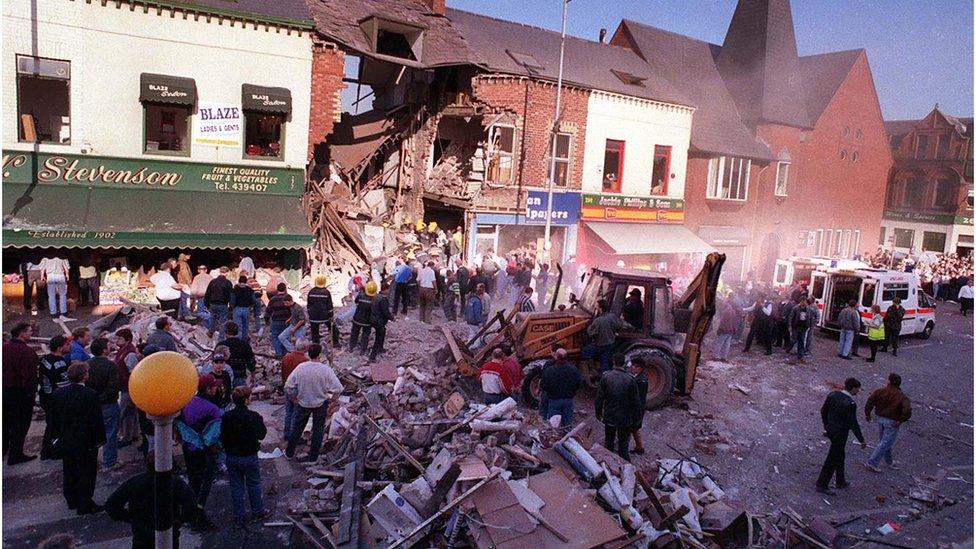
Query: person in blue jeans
[(892, 407), (801, 320), (560, 381), (217, 301), (276, 315), (103, 378), (241, 303), (241, 433)]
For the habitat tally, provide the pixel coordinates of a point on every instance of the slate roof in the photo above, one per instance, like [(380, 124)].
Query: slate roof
[(822, 74), (339, 21), (508, 47), (899, 127), (285, 11), (689, 65), (760, 66), (357, 136)]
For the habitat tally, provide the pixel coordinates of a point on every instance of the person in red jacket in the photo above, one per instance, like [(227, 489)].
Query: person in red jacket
[(20, 364), (496, 381)]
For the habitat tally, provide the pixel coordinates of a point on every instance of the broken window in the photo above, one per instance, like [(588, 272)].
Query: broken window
[(167, 128), (728, 178), (613, 166), (782, 177), (43, 100), (560, 176), (662, 170), (264, 134), (394, 39), (501, 163)]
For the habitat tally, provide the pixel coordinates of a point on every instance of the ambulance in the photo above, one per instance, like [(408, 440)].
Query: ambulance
[(797, 270), (831, 289)]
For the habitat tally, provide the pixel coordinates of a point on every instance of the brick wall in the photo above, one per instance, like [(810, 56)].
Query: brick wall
[(326, 108), (533, 104)]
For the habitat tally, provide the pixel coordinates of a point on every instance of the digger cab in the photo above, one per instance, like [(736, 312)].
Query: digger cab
[(641, 298)]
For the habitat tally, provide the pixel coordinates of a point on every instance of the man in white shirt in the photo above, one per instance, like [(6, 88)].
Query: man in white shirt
[(54, 273), (426, 279), (966, 297), (167, 290), (309, 387)]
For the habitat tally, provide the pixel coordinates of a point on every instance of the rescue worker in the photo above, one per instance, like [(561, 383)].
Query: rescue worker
[(321, 310), (361, 320)]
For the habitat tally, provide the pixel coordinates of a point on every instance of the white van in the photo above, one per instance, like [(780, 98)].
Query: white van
[(832, 288), (797, 269)]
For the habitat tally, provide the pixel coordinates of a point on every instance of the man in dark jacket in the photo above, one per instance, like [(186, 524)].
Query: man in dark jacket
[(321, 310), (892, 408), (20, 365), (892, 325), (462, 277), (241, 359), (217, 300), (361, 319), (103, 378), (839, 416), (759, 329), (276, 316), (560, 381), (618, 406), (133, 502), (241, 304), (602, 332), (78, 417), (379, 316), (800, 322), (241, 432), (54, 375), (785, 312), (638, 369)]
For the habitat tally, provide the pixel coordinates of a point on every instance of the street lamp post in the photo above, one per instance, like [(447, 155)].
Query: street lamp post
[(161, 385), (555, 132)]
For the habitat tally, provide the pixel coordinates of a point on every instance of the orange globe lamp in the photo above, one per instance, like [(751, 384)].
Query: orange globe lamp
[(162, 383)]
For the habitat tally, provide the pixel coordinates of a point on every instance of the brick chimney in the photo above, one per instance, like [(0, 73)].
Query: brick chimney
[(436, 6)]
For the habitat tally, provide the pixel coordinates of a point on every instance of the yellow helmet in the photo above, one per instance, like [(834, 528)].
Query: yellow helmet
[(371, 288), (419, 225), (320, 281), (432, 227)]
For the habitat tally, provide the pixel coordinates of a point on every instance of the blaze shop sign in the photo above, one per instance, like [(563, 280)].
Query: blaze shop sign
[(100, 171), (565, 208), (615, 207), (218, 124)]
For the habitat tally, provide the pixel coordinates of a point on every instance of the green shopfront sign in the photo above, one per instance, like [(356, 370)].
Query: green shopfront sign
[(936, 219), (101, 171)]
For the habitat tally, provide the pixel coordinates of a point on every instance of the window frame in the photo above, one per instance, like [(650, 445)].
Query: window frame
[(782, 189), (281, 140), (714, 183), (891, 290), (145, 129), (856, 243), (567, 160), (936, 233), (17, 74), (921, 152), (621, 150), (942, 151), (667, 168), (496, 154)]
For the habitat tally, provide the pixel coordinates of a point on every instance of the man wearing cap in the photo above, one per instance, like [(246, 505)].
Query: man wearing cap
[(54, 375), (361, 319), (321, 310), (217, 300), (310, 386)]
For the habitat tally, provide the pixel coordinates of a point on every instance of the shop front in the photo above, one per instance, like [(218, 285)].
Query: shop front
[(907, 231), (640, 232), (504, 232), (734, 243), (125, 215)]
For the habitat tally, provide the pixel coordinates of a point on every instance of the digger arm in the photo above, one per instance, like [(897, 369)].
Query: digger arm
[(700, 299)]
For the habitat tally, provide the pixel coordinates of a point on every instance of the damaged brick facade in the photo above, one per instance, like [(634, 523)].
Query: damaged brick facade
[(328, 66)]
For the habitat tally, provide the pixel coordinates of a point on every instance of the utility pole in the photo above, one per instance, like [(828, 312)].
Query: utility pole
[(555, 131)]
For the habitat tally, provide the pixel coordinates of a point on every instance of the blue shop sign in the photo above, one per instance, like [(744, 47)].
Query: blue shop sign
[(565, 208)]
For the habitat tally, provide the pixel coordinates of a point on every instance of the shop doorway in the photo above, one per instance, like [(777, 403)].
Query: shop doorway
[(447, 216)]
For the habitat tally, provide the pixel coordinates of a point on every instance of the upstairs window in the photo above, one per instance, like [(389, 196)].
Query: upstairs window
[(613, 166), (167, 103), (728, 178), (43, 100), (501, 160), (662, 170), (782, 178), (561, 175), (945, 194), (942, 147), (921, 146)]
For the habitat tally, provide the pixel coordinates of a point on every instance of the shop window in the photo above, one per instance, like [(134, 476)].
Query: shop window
[(933, 242), (613, 166), (942, 147), (662, 170), (501, 163), (264, 135), (561, 176), (891, 291), (782, 177), (921, 146), (43, 100), (167, 128), (728, 178), (904, 238), (486, 239)]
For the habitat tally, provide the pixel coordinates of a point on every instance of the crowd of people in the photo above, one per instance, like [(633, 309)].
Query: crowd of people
[(942, 275)]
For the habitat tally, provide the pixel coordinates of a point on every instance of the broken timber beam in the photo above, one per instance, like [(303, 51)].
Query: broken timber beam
[(405, 540)]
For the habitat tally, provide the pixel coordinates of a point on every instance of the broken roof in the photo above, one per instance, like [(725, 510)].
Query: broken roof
[(822, 75), (356, 137), (339, 20), (513, 48), (689, 65)]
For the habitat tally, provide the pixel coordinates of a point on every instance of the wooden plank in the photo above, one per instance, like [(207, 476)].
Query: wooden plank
[(349, 512), (462, 424), (446, 509), (308, 533), (397, 446)]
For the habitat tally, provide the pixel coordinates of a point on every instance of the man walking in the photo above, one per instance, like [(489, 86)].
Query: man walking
[(321, 311), (310, 386), (78, 417), (379, 316), (892, 408), (728, 321), (241, 359), (849, 321), (560, 381), (618, 406), (20, 364), (759, 329), (103, 378), (892, 323), (965, 297), (54, 375), (426, 279), (839, 416), (217, 301)]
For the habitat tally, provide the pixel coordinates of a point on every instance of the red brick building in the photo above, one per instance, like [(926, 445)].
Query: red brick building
[(929, 204), (789, 154)]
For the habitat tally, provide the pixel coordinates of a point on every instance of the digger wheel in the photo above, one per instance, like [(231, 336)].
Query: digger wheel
[(532, 386), (660, 376)]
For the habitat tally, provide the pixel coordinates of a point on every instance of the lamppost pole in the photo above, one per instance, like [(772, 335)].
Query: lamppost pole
[(555, 132), (163, 479)]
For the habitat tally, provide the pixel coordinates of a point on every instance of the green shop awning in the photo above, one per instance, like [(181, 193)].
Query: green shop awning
[(75, 216)]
